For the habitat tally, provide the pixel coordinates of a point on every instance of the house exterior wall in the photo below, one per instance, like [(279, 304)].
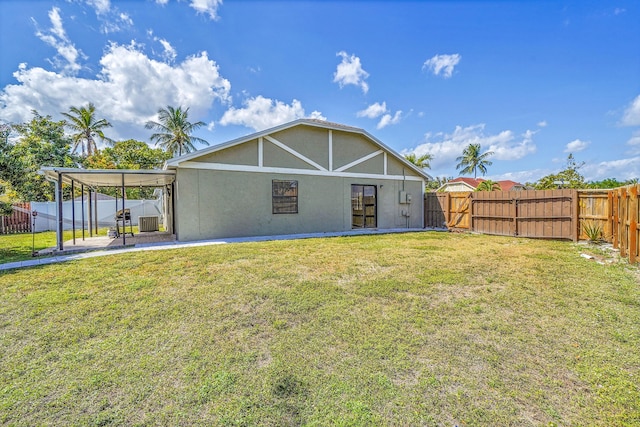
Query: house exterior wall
[(218, 204), (227, 192)]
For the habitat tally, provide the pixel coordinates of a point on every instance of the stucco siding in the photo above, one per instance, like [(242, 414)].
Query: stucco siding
[(242, 154), (348, 147), (394, 167), (276, 157), (218, 204), (311, 142), (374, 165)]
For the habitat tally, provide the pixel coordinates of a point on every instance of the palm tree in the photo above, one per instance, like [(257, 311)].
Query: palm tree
[(83, 122), (423, 162), (489, 185), (472, 161), (174, 131)]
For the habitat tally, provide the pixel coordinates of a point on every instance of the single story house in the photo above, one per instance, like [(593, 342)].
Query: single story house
[(462, 184), (306, 176)]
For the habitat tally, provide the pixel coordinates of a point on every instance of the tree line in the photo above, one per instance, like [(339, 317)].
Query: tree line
[(474, 160), (72, 142)]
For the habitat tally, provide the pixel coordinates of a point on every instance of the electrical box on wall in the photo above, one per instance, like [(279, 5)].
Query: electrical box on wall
[(405, 197)]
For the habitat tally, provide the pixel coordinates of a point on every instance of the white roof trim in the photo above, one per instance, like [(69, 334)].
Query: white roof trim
[(111, 177)]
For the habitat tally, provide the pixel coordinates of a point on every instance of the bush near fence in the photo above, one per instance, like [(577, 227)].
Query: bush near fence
[(552, 214)]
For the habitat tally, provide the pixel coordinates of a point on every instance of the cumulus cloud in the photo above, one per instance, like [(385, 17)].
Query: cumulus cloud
[(442, 64), (262, 113), (446, 147), (622, 169), (542, 124), (350, 72), (207, 7), (373, 110), (128, 91), (388, 119), (631, 115), (67, 55), (376, 110), (576, 145), (634, 142)]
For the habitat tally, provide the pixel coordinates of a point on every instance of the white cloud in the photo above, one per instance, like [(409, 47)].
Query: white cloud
[(576, 145), (634, 142), (208, 7), (124, 17), (442, 64), (388, 119), (56, 37), (373, 110), (621, 169), (101, 6), (377, 110), (169, 53), (448, 146), (631, 116), (128, 91), (350, 72), (262, 113), (542, 124)]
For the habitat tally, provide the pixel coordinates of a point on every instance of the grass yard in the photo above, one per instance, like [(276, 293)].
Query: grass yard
[(18, 247), (434, 329)]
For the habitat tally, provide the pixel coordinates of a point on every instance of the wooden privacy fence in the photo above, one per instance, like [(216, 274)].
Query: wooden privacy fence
[(19, 221), (624, 221), (551, 214)]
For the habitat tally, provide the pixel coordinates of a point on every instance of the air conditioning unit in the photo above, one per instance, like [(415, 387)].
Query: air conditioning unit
[(148, 223)]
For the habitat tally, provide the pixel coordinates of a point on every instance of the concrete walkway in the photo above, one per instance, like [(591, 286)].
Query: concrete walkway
[(174, 245)]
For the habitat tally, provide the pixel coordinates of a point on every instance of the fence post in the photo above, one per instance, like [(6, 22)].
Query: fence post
[(575, 207), (614, 218), (633, 224), (622, 221), (447, 208)]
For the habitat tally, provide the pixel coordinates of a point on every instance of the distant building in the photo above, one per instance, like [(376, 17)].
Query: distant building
[(470, 184)]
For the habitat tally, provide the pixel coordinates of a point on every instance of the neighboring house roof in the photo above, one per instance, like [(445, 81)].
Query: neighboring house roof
[(175, 162), (472, 184)]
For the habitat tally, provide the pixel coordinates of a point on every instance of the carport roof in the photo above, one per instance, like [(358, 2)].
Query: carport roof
[(111, 177)]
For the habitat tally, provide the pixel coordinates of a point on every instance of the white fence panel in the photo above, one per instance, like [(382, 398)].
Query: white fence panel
[(46, 218)]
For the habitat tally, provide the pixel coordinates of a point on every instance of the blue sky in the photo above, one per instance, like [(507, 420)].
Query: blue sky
[(531, 81)]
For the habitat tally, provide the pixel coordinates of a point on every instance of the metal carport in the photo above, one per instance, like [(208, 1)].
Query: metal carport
[(118, 178)]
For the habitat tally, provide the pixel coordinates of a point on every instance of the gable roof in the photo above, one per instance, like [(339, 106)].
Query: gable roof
[(175, 162)]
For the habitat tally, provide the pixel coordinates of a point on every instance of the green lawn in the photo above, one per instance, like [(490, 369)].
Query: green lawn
[(18, 247), (426, 328)]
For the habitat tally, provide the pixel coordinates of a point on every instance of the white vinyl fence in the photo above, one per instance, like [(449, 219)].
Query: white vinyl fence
[(46, 218)]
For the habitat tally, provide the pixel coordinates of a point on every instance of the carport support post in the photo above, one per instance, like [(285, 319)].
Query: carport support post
[(82, 207), (59, 203), (90, 219), (73, 213), (124, 230)]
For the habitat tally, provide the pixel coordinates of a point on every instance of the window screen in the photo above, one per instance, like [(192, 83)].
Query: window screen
[(284, 196)]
